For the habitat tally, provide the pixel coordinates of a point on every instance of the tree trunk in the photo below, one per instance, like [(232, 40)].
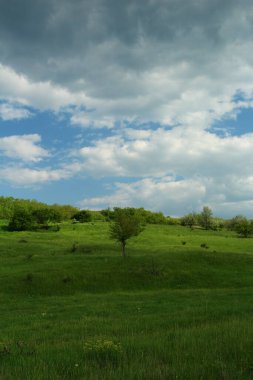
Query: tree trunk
[(123, 248)]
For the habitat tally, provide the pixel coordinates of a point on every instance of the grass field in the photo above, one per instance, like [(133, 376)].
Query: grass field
[(73, 308)]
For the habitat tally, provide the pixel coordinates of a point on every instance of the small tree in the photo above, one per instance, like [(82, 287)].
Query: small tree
[(205, 218), (235, 222), (125, 225), (41, 215), (21, 220), (44, 215), (245, 228), (189, 220)]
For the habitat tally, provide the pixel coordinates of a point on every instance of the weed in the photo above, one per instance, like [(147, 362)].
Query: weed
[(23, 241), (74, 248), (4, 349), (25, 348), (29, 256), (204, 245), (154, 269), (29, 277), (102, 351), (67, 279)]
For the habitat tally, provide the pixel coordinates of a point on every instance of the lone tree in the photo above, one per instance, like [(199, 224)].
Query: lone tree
[(126, 225), (206, 218)]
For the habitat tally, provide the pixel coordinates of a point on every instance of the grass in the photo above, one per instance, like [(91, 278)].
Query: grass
[(178, 307)]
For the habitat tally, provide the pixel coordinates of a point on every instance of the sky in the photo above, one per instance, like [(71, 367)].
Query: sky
[(128, 103)]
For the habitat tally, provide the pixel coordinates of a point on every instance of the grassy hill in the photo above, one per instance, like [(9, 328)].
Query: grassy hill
[(178, 307)]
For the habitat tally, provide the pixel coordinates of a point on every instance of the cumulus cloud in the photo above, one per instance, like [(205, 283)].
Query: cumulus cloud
[(180, 151), (23, 147), (164, 194), (177, 197), (42, 95), (203, 168), (13, 112), (87, 120), (166, 61), (27, 177)]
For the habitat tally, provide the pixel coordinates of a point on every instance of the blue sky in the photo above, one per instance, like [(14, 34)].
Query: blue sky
[(144, 104)]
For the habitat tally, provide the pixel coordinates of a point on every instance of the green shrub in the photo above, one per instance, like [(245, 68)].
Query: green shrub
[(102, 350), (21, 220), (83, 216)]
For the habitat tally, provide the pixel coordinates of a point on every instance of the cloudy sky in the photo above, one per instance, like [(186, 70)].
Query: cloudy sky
[(128, 103)]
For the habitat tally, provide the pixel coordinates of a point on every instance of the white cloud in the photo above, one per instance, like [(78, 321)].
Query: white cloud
[(178, 197), (41, 95), (27, 177), (205, 169), (184, 67), (87, 120), (23, 176), (164, 194), (13, 112), (187, 78), (180, 151), (23, 147)]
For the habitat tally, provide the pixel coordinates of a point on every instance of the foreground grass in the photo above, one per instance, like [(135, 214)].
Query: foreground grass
[(72, 308)]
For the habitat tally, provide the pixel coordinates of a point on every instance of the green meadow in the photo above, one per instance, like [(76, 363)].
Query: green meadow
[(179, 306)]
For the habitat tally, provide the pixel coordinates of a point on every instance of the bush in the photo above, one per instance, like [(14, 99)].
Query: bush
[(26, 219), (189, 220), (245, 228), (108, 214), (102, 350), (22, 220), (234, 223), (44, 215), (173, 221), (241, 225), (83, 216)]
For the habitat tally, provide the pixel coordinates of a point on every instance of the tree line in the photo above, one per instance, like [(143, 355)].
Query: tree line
[(26, 214), (206, 220), (23, 214)]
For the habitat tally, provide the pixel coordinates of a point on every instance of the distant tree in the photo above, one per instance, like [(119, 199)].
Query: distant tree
[(82, 216), (97, 216), (45, 215), (41, 215), (218, 224), (189, 220), (147, 216), (172, 221), (206, 218), (64, 212), (21, 220), (126, 225), (244, 228), (156, 218), (108, 214), (235, 222), (6, 207)]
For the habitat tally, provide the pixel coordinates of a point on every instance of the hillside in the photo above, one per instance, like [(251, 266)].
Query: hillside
[(178, 307)]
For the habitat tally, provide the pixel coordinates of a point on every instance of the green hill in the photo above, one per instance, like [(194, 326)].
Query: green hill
[(178, 307)]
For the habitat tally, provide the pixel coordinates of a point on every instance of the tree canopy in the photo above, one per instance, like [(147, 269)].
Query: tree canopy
[(126, 224)]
